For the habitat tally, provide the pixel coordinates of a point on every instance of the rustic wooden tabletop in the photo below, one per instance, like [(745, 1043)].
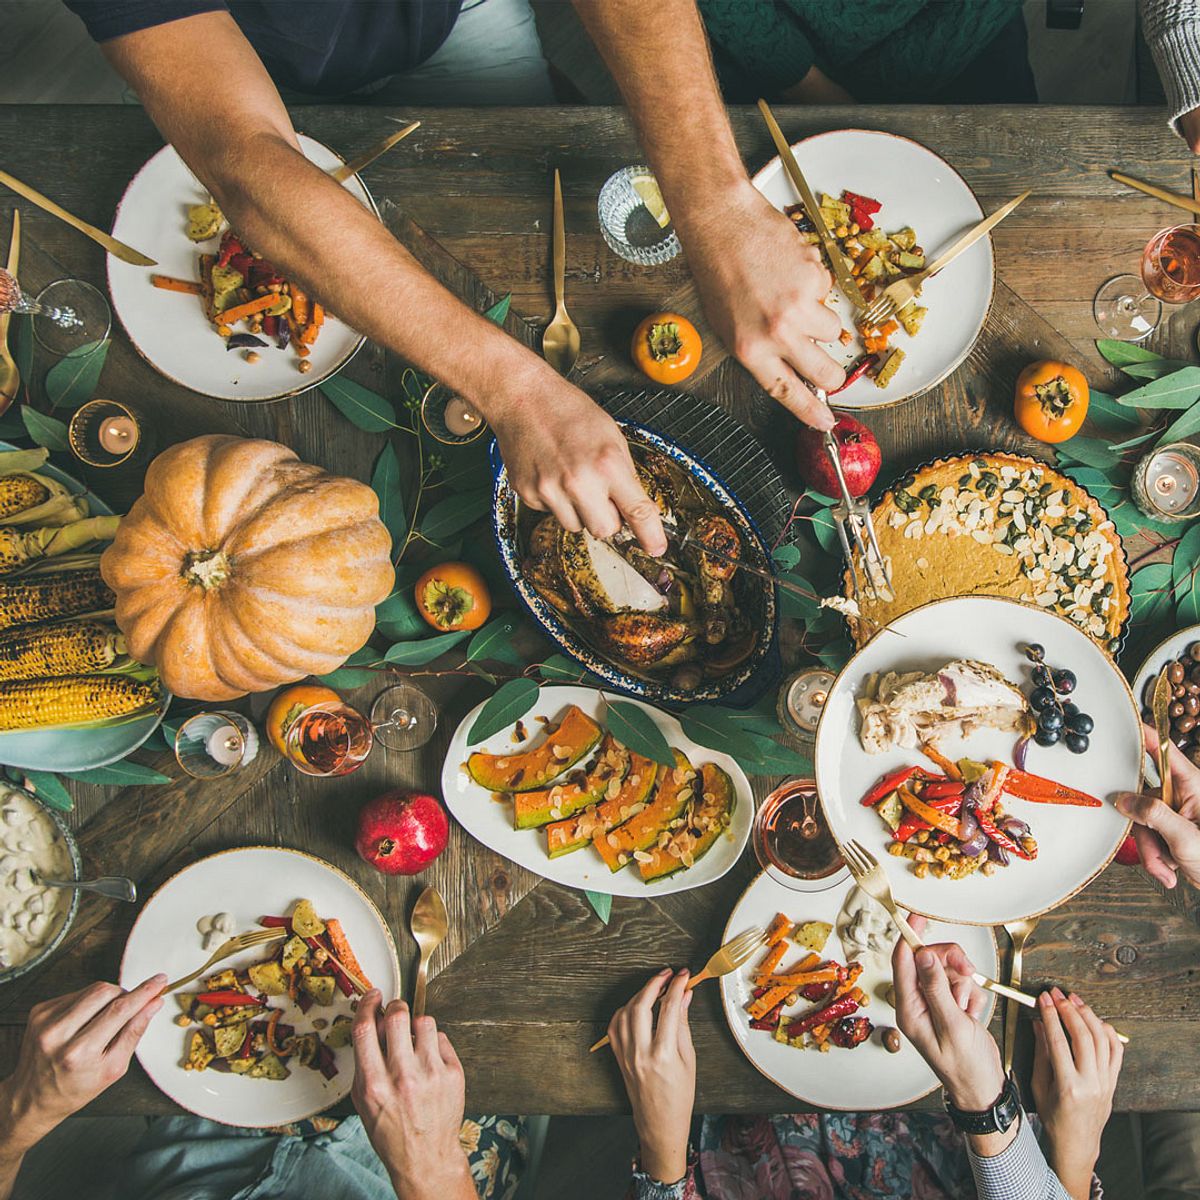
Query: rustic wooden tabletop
[(529, 975)]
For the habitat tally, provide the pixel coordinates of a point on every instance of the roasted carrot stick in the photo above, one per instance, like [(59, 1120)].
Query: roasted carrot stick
[(239, 312), (190, 287)]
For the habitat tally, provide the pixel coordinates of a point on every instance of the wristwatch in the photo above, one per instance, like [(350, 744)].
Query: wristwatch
[(998, 1118)]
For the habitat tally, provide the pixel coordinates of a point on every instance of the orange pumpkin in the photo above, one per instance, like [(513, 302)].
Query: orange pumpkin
[(241, 568), (1051, 401)]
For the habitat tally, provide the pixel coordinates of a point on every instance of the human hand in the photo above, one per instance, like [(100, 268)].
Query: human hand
[(938, 1007), (1189, 126), (658, 1065), (569, 456), (410, 1092), (1167, 839), (74, 1047), (763, 290), (1076, 1061), (816, 88)]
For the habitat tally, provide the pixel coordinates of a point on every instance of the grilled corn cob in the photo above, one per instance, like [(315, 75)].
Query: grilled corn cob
[(19, 492), (72, 700), (22, 548), (56, 594), (69, 648)]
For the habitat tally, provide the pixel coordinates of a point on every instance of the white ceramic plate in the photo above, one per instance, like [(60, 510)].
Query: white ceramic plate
[(1075, 844), (76, 749), (168, 329), (1165, 653), (248, 884), (867, 1077), (490, 821), (919, 189)]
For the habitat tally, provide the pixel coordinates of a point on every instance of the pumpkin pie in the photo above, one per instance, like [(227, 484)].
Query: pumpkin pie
[(998, 525)]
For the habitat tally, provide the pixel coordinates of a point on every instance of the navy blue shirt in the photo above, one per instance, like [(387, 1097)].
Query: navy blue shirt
[(325, 47)]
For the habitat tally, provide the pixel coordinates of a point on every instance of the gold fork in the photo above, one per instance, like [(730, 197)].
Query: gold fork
[(873, 880), (1018, 932), (903, 292), (242, 941), (735, 953)]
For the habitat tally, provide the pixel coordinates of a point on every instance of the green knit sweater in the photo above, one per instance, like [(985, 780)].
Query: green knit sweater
[(900, 49)]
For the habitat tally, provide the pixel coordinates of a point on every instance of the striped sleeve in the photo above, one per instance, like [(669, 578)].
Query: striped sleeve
[(1019, 1172)]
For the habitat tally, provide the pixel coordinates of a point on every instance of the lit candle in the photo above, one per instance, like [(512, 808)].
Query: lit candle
[(225, 745), (117, 435), (805, 696), (1166, 483), (461, 419)]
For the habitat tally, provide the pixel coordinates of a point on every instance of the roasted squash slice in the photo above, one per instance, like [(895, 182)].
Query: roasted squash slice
[(574, 832), (199, 1052), (534, 809), (576, 736), (675, 788), (708, 816)]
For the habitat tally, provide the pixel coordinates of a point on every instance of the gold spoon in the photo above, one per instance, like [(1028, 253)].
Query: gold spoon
[(429, 926), (560, 342), (1018, 932), (10, 377)]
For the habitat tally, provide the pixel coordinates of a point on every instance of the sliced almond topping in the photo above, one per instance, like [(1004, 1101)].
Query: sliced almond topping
[(613, 840), (642, 857)]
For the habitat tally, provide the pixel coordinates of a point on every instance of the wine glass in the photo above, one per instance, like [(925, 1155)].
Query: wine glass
[(403, 717), (1129, 307), (793, 842), (70, 317)]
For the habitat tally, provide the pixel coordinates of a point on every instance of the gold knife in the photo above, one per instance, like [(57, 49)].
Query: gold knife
[(1159, 705), (837, 260), (342, 173), (1175, 198), (117, 249), (14, 260)]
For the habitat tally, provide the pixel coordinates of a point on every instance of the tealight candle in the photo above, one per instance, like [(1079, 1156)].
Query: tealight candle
[(211, 744), (801, 700), (1166, 483), (225, 745), (460, 418), (117, 435)]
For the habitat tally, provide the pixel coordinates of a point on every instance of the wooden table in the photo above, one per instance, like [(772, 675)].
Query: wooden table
[(529, 975)]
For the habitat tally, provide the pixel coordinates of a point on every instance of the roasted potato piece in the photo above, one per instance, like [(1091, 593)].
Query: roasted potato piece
[(911, 317), (294, 951), (199, 1052), (226, 981), (270, 1066), (339, 1032), (889, 369), (228, 1039), (320, 987), (269, 978), (305, 920)]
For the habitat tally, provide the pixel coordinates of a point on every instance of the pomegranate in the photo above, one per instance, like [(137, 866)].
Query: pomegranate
[(1128, 855), (401, 833), (859, 452)]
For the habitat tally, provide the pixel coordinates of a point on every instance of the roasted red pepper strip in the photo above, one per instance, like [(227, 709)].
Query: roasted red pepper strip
[(276, 923), (770, 1022), (229, 247), (1002, 839), (343, 980), (941, 789), (936, 818), (909, 825), (889, 783), (842, 1007), (1045, 791), (227, 999), (857, 201), (860, 368)]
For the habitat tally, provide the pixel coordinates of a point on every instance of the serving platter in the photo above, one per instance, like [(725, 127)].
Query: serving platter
[(76, 749), (491, 821), (250, 883), (867, 1077), (1075, 844), (741, 685), (920, 189), (170, 331)]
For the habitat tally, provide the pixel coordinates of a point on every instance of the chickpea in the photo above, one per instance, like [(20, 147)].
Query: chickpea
[(305, 366), (224, 330), (252, 356), (183, 1020), (921, 869), (209, 1019), (896, 849), (942, 854)]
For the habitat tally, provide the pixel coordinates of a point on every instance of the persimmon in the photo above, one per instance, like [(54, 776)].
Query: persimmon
[(289, 703), (1051, 401), (666, 347), (453, 596)]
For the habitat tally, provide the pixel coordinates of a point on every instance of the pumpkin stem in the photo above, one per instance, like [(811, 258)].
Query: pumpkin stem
[(206, 568)]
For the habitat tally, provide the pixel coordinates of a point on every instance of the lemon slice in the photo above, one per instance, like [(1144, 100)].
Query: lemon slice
[(646, 187)]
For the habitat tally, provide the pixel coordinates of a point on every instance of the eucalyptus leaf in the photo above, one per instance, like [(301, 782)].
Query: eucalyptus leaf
[(634, 729), (1110, 414), (49, 789), (1153, 370), (23, 350), (397, 617), (786, 557), (825, 531), (417, 654), (1184, 426), (1136, 440), (510, 702), (385, 482), (602, 903), (1092, 452), (494, 641), (769, 757), (715, 727), (835, 655), (1188, 612), (1186, 557), (1150, 593), (73, 380), (45, 431), (359, 405), (455, 513), (1178, 390), (499, 311), (1119, 353), (559, 668), (1107, 490), (11, 424), (483, 674), (347, 678), (119, 774)]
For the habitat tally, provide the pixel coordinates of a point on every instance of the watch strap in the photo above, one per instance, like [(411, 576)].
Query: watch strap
[(998, 1118)]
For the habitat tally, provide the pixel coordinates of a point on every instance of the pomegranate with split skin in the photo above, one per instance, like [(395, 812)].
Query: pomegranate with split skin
[(859, 451), (401, 832)]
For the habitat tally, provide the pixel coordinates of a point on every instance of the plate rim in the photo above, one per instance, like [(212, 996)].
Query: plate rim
[(1075, 629), (1187, 633), (725, 1003), (748, 802), (372, 907), (144, 355), (987, 239)]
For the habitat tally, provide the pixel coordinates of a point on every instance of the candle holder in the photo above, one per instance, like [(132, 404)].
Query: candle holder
[(442, 414), (109, 433), (801, 700), (1166, 483), (211, 745)]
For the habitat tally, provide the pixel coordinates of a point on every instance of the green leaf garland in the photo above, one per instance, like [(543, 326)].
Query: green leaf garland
[(455, 513), (73, 380), (417, 654), (634, 729), (45, 431), (498, 313), (49, 789), (601, 902), (119, 774), (359, 405), (1180, 389), (494, 641), (385, 482), (1110, 414), (1150, 594), (397, 617), (1092, 452), (508, 704), (1120, 353)]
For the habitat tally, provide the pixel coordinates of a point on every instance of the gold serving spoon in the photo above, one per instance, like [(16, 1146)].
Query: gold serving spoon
[(429, 925), (560, 342), (10, 376)]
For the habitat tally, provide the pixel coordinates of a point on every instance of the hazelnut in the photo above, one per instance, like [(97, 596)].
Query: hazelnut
[(305, 366), (891, 1040), (252, 356)]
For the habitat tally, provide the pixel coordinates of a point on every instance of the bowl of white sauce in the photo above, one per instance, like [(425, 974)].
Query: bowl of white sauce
[(34, 843)]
